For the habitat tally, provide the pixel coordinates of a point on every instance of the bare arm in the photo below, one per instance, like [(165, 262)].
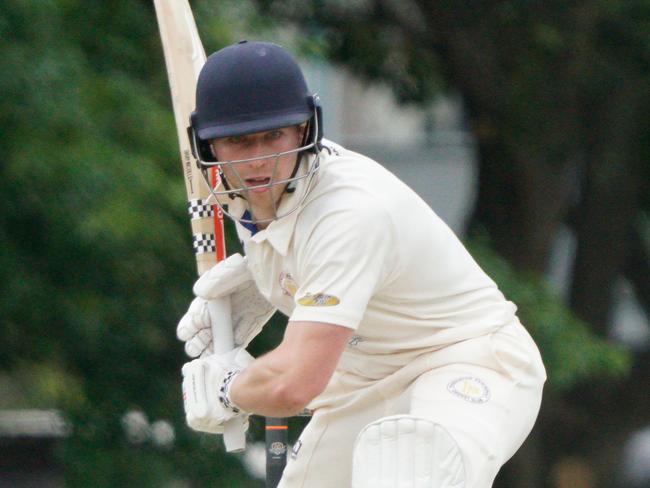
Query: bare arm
[(282, 382)]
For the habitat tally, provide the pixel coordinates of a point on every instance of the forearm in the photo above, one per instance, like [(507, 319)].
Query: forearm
[(282, 382), (268, 387)]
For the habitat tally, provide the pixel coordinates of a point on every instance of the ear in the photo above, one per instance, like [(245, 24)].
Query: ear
[(213, 151)]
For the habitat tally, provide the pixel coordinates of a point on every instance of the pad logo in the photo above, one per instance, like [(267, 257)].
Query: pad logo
[(278, 448), (470, 389), (288, 284), (318, 300)]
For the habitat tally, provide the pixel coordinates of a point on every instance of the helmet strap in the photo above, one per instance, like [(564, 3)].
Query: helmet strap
[(225, 184), (291, 186)]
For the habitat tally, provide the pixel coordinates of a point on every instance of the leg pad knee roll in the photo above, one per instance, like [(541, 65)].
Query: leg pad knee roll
[(404, 451)]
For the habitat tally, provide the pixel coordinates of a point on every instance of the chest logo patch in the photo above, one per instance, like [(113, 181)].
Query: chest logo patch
[(288, 284), (318, 300)]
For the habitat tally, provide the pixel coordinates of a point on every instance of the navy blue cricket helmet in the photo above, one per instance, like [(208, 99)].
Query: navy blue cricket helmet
[(251, 87)]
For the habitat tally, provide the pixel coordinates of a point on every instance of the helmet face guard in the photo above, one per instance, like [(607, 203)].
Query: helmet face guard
[(248, 88), (297, 184)]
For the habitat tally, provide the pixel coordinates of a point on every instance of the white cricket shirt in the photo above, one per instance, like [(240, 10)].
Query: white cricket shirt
[(367, 253)]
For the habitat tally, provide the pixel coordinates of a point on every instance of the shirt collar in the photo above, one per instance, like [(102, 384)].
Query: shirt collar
[(279, 232)]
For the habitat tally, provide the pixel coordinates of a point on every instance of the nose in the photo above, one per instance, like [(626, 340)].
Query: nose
[(257, 163), (256, 150)]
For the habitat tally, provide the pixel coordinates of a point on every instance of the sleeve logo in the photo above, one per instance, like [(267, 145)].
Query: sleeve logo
[(318, 300)]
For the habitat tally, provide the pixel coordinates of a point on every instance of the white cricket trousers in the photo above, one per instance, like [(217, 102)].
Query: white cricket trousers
[(486, 392)]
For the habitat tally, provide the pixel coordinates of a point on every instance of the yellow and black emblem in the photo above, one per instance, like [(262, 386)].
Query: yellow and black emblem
[(318, 300)]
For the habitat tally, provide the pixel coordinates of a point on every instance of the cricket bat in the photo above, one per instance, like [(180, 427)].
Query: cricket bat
[(184, 58)]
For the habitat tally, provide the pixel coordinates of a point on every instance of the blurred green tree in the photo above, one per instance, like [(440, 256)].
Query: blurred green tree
[(95, 252)]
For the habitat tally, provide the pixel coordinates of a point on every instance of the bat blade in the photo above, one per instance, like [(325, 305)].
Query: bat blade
[(184, 58)]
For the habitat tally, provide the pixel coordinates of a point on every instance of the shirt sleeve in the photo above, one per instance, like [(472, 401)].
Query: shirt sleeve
[(343, 258)]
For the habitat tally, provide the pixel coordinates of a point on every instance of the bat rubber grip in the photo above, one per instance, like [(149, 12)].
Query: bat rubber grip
[(234, 434), (220, 316)]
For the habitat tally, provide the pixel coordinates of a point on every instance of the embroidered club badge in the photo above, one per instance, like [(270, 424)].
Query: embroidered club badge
[(470, 389), (318, 300)]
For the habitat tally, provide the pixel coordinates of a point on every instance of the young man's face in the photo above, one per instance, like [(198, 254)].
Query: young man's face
[(246, 176)]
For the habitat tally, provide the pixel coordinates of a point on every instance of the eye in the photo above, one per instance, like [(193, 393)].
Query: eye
[(236, 140), (274, 135)]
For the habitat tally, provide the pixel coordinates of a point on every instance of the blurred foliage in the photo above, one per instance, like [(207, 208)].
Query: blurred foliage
[(95, 251), (572, 353)]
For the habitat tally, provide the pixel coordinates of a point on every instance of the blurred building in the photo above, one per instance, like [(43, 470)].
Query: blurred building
[(27, 442), (427, 147)]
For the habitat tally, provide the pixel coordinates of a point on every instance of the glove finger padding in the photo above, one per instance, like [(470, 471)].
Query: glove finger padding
[(202, 379), (223, 278), (195, 319), (194, 329), (200, 345)]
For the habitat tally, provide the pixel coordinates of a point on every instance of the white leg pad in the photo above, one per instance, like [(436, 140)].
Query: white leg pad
[(403, 451)]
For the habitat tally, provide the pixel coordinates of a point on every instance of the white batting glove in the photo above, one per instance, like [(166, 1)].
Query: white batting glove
[(250, 310), (206, 386)]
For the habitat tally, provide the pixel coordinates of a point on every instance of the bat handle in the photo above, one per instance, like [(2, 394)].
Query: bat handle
[(234, 434), (221, 317)]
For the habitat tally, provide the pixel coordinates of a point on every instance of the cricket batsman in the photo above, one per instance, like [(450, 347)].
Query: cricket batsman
[(416, 368)]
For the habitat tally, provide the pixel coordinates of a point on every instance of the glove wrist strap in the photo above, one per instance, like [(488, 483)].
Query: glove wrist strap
[(224, 391)]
